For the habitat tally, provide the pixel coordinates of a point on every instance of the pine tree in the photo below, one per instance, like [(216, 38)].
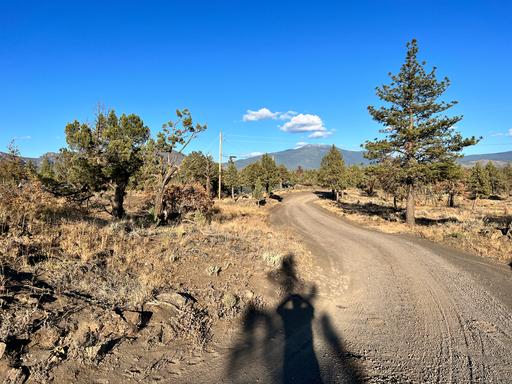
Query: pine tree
[(197, 167), (507, 177), (416, 135), (257, 192), (231, 177), (269, 172), (332, 172), (450, 176), (250, 174), (479, 182), (107, 153), (495, 178), (284, 176), (46, 169)]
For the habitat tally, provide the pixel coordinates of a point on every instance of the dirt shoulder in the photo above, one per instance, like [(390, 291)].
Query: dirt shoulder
[(481, 232)]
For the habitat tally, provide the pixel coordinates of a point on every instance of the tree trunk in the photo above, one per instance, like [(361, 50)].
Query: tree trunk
[(409, 212), (159, 198), (451, 200), (337, 196), (333, 194), (395, 203), (118, 199), (232, 192)]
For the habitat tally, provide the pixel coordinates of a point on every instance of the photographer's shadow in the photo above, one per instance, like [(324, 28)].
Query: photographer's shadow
[(278, 346)]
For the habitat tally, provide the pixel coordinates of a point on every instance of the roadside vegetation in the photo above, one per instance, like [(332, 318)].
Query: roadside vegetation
[(114, 255)]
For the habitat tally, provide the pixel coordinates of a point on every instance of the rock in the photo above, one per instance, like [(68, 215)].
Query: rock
[(161, 311), (132, 317), (3, 346), (175, 298), (35, 357), (45, 338)]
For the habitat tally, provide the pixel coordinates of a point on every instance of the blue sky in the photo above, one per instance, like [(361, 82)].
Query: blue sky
[(313, 65)]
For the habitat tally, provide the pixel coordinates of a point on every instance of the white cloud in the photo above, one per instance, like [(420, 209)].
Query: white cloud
[(320, 134), (23, 138), (267, 114), (286, 115), (509, 132), (301, 144), (304, 123), (295, 122), (261, 114)]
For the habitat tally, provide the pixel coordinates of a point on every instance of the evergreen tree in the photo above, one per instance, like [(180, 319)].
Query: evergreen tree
[(495, 178), (250, 174), (107, 153), (479, 182), (450, 175), (197, 167), (231, 177), (332, 172), (257, 192), (269, 172), (507, 177), (355, 175), (46, 169), (284, 176), (416, 135), (12, 167)]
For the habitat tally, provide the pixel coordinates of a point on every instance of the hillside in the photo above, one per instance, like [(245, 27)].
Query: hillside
[(310, 156), (500, 158)]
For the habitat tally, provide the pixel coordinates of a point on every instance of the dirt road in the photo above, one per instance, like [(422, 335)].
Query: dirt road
[(381, 308)]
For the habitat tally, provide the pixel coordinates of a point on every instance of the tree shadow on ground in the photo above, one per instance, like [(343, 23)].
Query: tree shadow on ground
[(385, 212), (277, 345)]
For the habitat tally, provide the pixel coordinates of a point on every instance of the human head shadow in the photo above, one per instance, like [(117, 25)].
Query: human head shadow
[(277, 345)]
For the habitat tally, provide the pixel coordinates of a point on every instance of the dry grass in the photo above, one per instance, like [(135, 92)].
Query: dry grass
[(60, 267), (475, 229)]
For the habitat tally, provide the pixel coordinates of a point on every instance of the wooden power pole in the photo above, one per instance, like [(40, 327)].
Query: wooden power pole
[(220, 162)]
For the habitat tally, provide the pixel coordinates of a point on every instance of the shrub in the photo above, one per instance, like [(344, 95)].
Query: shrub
[(181, 199)]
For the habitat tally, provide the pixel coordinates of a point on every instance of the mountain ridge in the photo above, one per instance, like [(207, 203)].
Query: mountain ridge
[(310, 156)]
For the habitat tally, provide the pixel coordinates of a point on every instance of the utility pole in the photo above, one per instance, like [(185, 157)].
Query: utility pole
[(220, 162)]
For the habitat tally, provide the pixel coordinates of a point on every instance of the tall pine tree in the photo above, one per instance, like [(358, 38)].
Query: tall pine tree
[(416, 133), (231, 177), (332, 173)]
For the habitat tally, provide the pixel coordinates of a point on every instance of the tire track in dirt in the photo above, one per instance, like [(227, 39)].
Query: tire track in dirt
[(399, 310), (416, 316)]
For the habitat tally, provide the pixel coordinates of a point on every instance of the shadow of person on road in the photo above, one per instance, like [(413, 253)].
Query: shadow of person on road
[(277, 346)]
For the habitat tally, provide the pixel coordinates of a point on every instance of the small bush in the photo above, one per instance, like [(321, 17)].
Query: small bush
[(182, 199), (273, 259)]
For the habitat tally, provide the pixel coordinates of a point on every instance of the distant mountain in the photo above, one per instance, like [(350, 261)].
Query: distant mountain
[(308, 157), (500, 158)]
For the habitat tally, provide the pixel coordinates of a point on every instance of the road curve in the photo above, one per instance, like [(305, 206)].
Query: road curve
[(407, 310)]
